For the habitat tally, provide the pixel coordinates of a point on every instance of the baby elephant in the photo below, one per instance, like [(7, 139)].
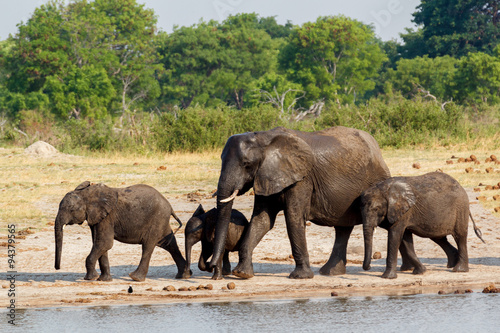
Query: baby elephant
[(201, 226), (138, 214), (433, 205)]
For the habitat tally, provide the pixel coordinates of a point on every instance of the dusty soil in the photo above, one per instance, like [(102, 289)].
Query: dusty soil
[(38, 284)]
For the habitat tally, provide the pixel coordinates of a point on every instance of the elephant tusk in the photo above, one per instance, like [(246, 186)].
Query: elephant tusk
[(235, 193)]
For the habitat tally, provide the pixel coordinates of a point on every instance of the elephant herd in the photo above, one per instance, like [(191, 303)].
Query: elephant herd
[(335, 177)]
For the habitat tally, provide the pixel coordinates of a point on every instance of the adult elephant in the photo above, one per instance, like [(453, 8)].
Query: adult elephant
[(310, 176)]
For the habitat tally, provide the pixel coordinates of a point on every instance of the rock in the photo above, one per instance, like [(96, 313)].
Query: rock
[(209, 287), (231, 286), (449, 162), (496, 197), (473, 157), (192, 288), (416, 165), (183, 289), (493, 157), (169, 288), (41, 149), (334, 294), (377, 255), (497, 209), (469, 170), (461, 160), (482, 198)]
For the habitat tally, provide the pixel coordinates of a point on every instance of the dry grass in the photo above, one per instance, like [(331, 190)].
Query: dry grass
[(31, 188)]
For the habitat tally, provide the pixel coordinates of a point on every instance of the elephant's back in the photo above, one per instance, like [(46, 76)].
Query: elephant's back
[(439, 190), (348, 161)]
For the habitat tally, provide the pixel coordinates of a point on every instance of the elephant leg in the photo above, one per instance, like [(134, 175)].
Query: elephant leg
[(393, 243), (142, 270), (336, 265), (409, 258), (218, 269), (295, 216), (263, 218), (169, 243), (207, 250), (102, 237), (226, 265), (104, 266), (450, 250), (463, 258)]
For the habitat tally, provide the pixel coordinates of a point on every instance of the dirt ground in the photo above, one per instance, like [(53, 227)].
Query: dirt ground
[(38, 284)]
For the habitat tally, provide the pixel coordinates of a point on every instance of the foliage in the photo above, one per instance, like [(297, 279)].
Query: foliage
[(334, 58), (400, 122), (416, 76), (85, 55), (212, 63), (458, 27), (478, 79)]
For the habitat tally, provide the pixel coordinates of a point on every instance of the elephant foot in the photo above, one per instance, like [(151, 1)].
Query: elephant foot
[(419, 270), (389, 275), (184, 274), (244, 273), (453, 261), (461, 267), (91, 276), (217, 277), (338, 269), (405, 266), (301, 273), (105, 277), (137, 277)]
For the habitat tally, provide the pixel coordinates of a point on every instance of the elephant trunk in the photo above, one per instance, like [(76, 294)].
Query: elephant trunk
[(368, 237), (221, 228), (58, 232)]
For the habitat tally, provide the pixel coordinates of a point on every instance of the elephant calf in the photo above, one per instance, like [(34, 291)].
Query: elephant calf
[(201, 227), (433, 205), (138, 214)]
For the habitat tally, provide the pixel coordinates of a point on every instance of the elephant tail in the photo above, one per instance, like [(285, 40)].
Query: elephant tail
[(178, 220), (168, 238), (478, 232)]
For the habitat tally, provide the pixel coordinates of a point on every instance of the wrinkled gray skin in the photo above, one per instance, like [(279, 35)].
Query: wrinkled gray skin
[(138, 214), (201, 227), (310, 176), (433, 205)]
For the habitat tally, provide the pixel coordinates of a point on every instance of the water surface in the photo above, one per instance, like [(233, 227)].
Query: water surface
[(475, 312)]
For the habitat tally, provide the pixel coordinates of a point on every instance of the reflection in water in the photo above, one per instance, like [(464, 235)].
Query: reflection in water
[(419, 313)]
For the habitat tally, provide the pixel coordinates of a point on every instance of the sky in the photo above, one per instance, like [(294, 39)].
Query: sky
[(389, 17)]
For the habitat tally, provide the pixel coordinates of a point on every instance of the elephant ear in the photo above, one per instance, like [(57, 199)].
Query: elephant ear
[(287, 160), (199, 211), (83, 185), (400, 199), (102, 200)]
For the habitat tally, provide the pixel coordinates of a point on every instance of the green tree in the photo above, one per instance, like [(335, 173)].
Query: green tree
[(458, 27), (85, 56), (334, 58), (424, 76), (215, 62), (478, 78)]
